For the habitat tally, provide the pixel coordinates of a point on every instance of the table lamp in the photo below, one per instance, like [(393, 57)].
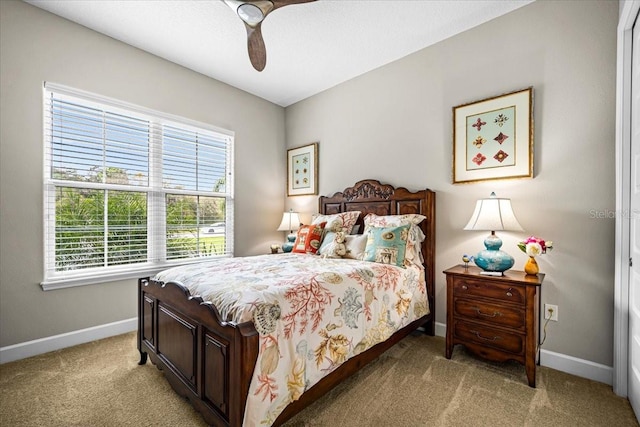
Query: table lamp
[(290, 222), (490, 215)]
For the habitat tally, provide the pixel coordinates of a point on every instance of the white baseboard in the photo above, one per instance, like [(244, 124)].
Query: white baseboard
[(579, 367), (69, 339), (562, 362), (441, 329)]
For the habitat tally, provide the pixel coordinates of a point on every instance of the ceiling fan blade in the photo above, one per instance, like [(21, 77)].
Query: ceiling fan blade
[(253, 13), (256, 47), (282, 3)]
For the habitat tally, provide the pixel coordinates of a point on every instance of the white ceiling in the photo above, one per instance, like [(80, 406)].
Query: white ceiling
[(310, 47)]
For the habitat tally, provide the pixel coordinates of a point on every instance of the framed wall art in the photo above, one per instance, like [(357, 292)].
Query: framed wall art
[(493, 138), (302, 170)]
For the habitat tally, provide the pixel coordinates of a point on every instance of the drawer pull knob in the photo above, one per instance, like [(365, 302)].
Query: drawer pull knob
[(465, 287), (480, 313), (509, 294), (477, 334)]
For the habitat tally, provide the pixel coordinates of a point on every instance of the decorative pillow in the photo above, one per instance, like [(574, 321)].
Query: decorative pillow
[(326, 247), (338, 222), (387, 245), (308, 238), (392, 220), (413, 254), (356, 245)]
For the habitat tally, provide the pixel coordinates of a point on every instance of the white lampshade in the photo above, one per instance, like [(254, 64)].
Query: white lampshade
[(290, 222), (493, 214), (490, 215)]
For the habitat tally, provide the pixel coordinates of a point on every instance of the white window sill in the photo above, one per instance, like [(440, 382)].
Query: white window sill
[(102, 277)]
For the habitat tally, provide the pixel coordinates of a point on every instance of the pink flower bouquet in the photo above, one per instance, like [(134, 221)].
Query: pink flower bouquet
[(534, 246)]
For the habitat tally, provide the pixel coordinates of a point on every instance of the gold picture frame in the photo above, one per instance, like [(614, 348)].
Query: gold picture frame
[(493, 138), (302, 170)]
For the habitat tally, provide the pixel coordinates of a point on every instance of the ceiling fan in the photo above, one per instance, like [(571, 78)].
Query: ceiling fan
[(252, 13)]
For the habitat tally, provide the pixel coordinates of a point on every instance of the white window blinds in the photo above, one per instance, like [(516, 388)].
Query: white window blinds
[(129, 190)]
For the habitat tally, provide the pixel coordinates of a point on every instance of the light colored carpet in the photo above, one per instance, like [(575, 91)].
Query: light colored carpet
[(412, 384)]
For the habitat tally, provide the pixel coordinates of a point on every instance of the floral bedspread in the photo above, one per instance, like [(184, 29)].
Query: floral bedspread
[(312, 314)]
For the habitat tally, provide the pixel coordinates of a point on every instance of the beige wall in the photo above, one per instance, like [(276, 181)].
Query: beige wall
[(394, 124), (36, 46)]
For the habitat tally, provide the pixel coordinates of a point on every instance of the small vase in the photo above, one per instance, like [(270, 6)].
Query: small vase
[(531, 267)]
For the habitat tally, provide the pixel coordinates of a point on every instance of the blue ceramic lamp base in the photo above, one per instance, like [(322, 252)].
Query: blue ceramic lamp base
[(288, 245), (492, 258)]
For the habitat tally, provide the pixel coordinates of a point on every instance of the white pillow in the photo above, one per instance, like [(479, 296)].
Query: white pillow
[(356, 244)]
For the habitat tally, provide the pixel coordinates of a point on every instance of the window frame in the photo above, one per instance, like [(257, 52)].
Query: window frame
[(156, 193)]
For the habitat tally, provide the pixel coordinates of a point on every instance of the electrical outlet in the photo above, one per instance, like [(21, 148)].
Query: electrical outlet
[(551, 312)]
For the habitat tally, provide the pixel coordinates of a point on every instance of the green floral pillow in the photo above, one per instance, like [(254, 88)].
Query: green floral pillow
[(387, 245)]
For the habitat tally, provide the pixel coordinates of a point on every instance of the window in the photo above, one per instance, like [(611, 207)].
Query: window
[(129, 191)]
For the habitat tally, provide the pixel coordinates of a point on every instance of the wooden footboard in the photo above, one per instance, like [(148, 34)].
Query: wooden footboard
[(205, 359)]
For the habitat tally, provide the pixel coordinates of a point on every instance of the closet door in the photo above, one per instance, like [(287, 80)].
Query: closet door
[(634, 216)]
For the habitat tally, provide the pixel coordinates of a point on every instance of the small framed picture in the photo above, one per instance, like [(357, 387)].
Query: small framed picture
[(493, 138), (302, 170)]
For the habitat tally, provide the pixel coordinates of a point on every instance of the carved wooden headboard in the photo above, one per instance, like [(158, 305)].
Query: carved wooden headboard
[(370, 196)]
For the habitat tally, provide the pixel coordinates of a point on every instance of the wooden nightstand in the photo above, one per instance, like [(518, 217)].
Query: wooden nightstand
[(494, 317)]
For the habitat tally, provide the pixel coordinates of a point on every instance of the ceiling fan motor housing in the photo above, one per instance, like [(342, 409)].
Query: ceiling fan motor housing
[(251, 12)]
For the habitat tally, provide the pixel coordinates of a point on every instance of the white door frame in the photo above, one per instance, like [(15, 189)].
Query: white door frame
[(628, 13)]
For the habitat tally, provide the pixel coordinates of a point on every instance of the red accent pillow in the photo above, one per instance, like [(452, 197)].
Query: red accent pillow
[(308, 239)]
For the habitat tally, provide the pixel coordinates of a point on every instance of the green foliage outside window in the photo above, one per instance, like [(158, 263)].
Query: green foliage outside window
[(83, 240)]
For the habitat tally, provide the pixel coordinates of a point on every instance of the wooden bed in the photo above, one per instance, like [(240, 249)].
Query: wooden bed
[(211, 362)]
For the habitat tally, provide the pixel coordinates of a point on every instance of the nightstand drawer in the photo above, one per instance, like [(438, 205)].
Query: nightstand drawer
[(489, 337), (495, 314), (483, 288)]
